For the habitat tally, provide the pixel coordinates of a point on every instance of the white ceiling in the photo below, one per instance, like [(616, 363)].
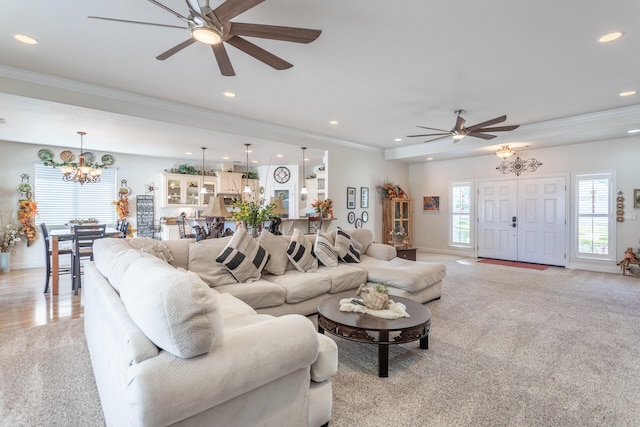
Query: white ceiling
[(379, 68)]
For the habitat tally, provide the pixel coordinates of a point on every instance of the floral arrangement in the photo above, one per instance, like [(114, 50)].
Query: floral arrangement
[(322, 206), (122, 207), (27, 217), (387, 190), (10, 233), (253, 214)]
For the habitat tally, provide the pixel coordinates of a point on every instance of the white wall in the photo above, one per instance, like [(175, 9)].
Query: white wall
[(346, 167), (430, 230)]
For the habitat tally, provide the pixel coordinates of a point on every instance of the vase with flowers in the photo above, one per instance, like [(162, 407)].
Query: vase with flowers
[(323, 207), (10, 235)]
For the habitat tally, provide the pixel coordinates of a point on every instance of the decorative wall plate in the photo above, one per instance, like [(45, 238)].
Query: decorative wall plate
[(108, 159), (365, 216), (67, 156), (89, 156), (45, 155), (281, 174), (358, 223), (351, 217)]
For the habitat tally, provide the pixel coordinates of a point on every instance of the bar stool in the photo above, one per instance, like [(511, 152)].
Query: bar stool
[(48, 254)]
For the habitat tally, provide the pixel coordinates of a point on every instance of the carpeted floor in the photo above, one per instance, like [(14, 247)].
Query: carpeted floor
[(508, 347)]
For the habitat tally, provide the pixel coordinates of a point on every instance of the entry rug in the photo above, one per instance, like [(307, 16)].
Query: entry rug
[(514, 264)]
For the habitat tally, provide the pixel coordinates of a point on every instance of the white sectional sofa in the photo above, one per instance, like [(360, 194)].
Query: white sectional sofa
[(175, 339)]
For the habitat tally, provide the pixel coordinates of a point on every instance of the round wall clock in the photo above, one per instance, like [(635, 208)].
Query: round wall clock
[(351, 217), (281, 174)]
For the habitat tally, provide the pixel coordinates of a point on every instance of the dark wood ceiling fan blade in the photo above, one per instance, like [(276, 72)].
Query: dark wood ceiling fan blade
[(259, 53), (275, 32), (439, 130), (224, 63), (429, 134), (498, 129), (481, 135), (138, 22), (175, 49), (232, 8), (435, 139), (487, 123)]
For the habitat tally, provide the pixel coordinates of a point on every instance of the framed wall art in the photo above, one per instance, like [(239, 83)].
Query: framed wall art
[(636, 198), (351, 197), (364, 197), (431, 203)]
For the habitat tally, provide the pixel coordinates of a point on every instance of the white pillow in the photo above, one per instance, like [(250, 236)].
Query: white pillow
[(324, 251), (244, 257), (277, 249), (300, 253), (347, 248), (202, 261)]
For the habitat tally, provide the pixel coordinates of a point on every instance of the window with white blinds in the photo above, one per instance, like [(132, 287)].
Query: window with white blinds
[(594, 209), (60, 201), (460, 230)]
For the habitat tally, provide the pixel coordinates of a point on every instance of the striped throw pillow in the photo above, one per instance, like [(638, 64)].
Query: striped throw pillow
[(300, 253), (324, 250), (347, 248), (244, 257)]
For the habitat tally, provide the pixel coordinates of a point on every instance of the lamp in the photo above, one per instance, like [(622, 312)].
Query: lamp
[(203, 189), (303, 190), (247, 189), (279, 210), (80, 173), (217, 210), (206, 35), (505, 152)]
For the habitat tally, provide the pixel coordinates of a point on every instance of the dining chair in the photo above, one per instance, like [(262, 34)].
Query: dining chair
[(63, 250), (83, 238), (314, 224), (182, 225), (122, 227)]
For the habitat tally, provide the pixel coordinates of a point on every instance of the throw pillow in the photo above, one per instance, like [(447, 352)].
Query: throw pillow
[(277, 249), (202, 261), (347, 248), (324, 251), (244, 257), (300, 253), (152, 246)]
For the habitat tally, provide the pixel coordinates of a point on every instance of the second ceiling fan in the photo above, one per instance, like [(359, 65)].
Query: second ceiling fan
[(213, 27), (459, 131)]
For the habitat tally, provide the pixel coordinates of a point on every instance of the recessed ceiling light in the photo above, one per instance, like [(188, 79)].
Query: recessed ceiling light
[(628, 93), (279, 155), (225, 158), (229, 94), (188, 153), (25, 39), (610, 37), (333, 122), (254, 161), (398, 140), (633, 131), (429, 158)]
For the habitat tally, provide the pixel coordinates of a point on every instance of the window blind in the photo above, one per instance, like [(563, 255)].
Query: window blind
[(60, 201)]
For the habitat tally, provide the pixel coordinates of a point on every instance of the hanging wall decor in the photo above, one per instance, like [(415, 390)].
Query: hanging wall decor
[(27, 210), (518, 166)]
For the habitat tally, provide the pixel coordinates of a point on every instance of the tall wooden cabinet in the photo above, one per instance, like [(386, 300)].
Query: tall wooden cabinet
[(396, 213)]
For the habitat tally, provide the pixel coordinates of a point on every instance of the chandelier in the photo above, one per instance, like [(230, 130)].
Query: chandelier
[(80, 172)]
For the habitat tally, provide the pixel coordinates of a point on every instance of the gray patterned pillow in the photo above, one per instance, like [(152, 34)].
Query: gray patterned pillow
[(324, 250), (347, 248), (244, 257), (300, 253)]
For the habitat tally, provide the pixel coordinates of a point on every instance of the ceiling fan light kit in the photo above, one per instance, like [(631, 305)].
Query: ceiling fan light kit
[(213, 27)]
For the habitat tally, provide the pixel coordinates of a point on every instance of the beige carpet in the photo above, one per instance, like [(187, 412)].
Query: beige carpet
[(508, 347)]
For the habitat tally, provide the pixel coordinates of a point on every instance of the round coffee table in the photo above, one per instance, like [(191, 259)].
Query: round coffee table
[(369, 329)]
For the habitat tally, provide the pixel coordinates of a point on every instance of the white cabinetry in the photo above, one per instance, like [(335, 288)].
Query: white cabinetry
[(317, 188), (254, 185), (230, 182), (181, 190)]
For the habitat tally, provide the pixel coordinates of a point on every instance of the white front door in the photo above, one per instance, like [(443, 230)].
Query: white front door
[(523, 220)]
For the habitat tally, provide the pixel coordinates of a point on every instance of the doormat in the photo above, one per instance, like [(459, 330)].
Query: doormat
[(514, 264)]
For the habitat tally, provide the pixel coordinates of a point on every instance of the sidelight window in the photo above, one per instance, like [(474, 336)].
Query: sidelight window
[(460, 228)]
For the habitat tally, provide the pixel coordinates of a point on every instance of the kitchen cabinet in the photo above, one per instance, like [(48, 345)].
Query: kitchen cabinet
[(254, 185), (230, 183), (316, 187), (182, 190)]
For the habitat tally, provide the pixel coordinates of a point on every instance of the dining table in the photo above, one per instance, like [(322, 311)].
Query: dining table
[(57, 235)]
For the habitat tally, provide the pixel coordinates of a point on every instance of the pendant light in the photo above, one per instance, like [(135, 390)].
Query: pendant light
[(203, 190), (247, 189), (303, 190)]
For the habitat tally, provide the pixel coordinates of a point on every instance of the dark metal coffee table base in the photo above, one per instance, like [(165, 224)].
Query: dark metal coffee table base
[(369, 329)]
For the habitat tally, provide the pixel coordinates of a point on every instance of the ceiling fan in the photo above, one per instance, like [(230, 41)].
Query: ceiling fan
[(459, 131), (213, 27)]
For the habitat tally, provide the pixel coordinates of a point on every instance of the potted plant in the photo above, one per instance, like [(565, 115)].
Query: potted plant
[(10, 235), (252, 214)]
